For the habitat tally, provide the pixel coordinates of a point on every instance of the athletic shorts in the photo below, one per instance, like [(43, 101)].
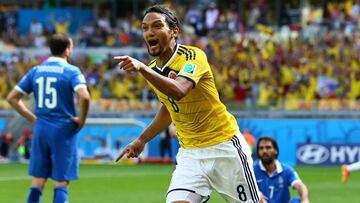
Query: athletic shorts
[(54, 151), (226, 168)]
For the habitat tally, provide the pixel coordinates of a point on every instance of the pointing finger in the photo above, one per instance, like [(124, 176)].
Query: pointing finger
[(120, 63), (121, 154), (120, 58)]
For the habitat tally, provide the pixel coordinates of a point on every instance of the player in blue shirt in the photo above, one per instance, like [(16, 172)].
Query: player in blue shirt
[(54, 146), (273, 177)]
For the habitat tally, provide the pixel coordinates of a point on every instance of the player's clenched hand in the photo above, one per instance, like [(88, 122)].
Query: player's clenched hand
[(263, 198), (129, 64), (305, 201), (132, 150)]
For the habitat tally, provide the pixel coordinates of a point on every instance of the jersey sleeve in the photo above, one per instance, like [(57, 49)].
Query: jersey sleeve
[(293, 177), (196, 68), (78, 80), (25, 84)]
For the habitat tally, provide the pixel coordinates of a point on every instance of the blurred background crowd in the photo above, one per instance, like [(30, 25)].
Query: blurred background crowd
[(265, 55)]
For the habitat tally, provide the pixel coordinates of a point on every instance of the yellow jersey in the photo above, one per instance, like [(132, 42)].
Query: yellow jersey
[(201, 119)]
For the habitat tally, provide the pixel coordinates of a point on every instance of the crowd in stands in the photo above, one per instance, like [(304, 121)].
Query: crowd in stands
[(311, 64)]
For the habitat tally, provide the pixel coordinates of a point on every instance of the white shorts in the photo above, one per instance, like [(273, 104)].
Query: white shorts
[(226, 168)]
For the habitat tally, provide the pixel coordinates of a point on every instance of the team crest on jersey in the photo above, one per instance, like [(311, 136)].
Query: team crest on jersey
[(189, 68), (172, 75), (281, 182)]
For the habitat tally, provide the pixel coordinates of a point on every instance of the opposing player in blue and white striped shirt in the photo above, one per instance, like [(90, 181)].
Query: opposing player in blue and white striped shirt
[(54, 147)]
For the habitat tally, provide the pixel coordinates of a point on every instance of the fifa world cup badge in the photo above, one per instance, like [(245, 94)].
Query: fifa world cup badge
[(189, 68)]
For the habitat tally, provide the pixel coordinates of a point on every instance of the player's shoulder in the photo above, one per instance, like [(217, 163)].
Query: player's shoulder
[(34, 68), (287, 168), (188, 48), (256, 165), (190, 52), (259, 173), (72, 68)]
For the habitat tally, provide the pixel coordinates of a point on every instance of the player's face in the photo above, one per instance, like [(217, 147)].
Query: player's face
[(267, 152), (157, 33)]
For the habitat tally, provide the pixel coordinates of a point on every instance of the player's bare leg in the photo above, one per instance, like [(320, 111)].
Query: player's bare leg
[(38, 182)]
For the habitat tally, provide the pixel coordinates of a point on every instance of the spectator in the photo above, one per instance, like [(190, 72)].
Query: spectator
[(211, 16), (5, 140), (36, 33), (102, 152), (36, 28), (193, 17), (165, 141), (116, 150), (254, 14), (23, 144), (62, 23)]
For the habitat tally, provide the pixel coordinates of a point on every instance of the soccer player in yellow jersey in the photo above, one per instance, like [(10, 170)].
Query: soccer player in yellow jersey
[(213, 154)]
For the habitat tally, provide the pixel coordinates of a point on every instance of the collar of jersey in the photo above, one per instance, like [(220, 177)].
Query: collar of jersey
[(170, 60), (279, 168), (56, 59)]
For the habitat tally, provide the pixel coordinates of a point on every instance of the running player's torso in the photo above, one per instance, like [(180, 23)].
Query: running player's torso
[(200, 117)]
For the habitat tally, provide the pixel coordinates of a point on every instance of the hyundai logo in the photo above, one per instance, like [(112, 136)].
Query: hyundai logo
[(312, 154)]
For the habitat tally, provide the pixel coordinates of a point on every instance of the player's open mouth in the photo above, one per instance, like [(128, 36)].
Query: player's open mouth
[(152, 43)]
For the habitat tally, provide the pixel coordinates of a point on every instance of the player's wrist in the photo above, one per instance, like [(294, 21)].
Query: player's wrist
[(142, 68), (33, 120), (305, 199), (142, 139)]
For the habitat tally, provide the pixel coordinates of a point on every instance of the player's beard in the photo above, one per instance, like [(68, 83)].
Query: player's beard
[(155, 53), (268, 160)]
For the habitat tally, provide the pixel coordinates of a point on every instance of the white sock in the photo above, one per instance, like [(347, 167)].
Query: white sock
[(354, 166)]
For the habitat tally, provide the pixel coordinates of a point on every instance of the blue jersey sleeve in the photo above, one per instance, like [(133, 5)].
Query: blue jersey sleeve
[(25, 84), (292, 176), (77, 80)]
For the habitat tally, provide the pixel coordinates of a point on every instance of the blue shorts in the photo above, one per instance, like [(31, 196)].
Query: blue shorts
[(54, 151)]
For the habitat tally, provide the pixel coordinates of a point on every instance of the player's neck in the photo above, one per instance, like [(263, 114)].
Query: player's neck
[(270, 168), (61, 56), (166, 55)]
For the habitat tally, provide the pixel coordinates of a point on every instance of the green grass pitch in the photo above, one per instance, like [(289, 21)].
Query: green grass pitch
[(148, 183)]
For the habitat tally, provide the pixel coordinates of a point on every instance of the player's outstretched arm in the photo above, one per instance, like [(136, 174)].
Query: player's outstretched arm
[(176, 89), (133, 150), (303, 192), (161, 121), (15, 100)]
